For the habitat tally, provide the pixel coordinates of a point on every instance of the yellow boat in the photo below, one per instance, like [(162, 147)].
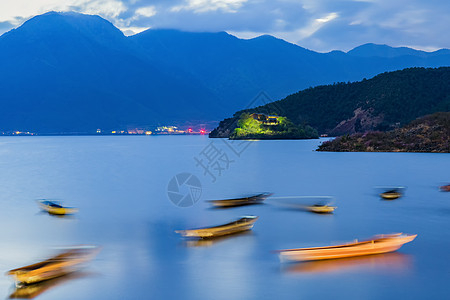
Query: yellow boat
[(321, 209), (254, 199), (376, 245), (242, 224), (391, 195), (64, 263), (54, 208)]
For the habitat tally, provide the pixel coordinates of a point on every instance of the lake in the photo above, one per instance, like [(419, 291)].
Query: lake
[(120, 185)]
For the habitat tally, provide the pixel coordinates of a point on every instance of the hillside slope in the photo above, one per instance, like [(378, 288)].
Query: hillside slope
[(427, 134)]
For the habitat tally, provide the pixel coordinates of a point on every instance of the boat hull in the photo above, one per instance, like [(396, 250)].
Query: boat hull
[(321, 209), (62, 264), (240, 225), (375, 246), (390, 196), (257, 199), (58, 210), (445, 188)]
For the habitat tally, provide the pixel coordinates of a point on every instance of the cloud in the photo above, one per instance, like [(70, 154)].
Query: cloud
[(146, 11), (107, 8), (203, 6)]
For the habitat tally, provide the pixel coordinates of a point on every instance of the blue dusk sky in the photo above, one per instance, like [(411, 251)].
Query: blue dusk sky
[(320, 25)]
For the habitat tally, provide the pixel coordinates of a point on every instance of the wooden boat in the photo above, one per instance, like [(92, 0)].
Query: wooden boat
[(445, 188), (321, 209), (254, 199), (242, 224), (55, 208), (391, 195), (376, 245), (64, 263), (33, 290), (316, 204)]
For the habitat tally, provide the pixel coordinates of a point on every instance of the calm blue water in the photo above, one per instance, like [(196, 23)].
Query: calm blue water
[(120, 186)]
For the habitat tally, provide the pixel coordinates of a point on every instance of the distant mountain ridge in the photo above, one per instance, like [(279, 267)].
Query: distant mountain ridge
[(374, 50), (69, 72)]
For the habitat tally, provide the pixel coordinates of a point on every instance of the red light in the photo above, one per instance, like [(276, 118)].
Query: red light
[(202, 131), (190, 130)]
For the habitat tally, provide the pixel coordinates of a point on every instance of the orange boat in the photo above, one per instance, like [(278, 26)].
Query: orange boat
[(445, 188), (378, 244)]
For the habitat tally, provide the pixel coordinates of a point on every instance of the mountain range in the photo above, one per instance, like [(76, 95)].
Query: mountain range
[(70, 72)]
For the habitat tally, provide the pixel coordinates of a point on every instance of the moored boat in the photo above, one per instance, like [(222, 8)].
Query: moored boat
[(253, 199), (55, 208), (390, 192), (445, 188), (242, 224), (376, 245), (321, 209), (315, 204), (64, 263), (31, 291), (390, 195)]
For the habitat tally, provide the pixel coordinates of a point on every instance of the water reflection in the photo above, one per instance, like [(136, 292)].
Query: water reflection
[(213, 241), (392, 261), (34, 290), (66, 217)]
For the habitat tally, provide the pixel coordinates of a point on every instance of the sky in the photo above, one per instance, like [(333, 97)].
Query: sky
[(320, 25)]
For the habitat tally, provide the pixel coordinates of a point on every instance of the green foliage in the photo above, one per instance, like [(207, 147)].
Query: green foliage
[(249, 128)]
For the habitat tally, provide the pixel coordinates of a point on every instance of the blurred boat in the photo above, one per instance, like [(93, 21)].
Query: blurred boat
[(390, 195), (376, 245), (391, 192), (445, 188), (55, 208), (64, 263), (316, 204), (33, 290), (254, 199), (321, 209), (242, 224)]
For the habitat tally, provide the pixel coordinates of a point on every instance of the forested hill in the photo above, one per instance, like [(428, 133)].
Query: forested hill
[(387, 101)]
